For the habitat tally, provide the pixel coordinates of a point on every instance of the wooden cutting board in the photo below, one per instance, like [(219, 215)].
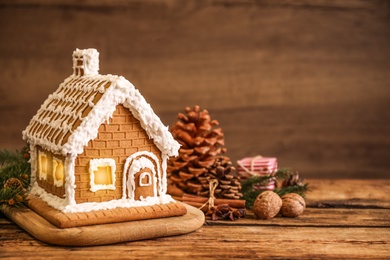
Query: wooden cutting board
[(104, 234)]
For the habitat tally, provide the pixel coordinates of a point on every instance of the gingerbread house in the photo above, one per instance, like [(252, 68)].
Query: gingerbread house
[(96, 144)]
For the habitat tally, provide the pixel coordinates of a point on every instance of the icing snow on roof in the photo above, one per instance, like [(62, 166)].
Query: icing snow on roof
[(72, 115)]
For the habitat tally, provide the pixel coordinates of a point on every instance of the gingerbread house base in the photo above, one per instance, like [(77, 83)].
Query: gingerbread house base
[(103, 234), (67, 220)]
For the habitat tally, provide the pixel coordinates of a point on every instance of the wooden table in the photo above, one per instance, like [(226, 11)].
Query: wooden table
[(346, 219)]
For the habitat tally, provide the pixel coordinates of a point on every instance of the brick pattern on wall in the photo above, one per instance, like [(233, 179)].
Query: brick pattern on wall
[(118, 139)]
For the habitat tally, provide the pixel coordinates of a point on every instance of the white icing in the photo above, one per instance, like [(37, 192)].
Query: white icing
[(70, 180), (163, 178), (148, 177), (90, 61), (93, 166), (61, 204), (51, 199), (33, 164)]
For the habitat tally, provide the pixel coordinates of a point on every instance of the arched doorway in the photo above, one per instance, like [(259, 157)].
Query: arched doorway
[(140, 176)]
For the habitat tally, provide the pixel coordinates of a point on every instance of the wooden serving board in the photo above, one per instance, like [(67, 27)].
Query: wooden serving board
[(104, 234)]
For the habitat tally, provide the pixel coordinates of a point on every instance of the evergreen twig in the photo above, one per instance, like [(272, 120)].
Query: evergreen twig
[(299, 189)]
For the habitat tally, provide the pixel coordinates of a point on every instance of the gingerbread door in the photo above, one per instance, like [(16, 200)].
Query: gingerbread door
[(140, 176), (144, 184)]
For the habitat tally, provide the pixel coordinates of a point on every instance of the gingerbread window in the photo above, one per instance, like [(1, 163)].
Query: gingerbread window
[(42, 165), (58, 172), (102, 174), (145, 179)]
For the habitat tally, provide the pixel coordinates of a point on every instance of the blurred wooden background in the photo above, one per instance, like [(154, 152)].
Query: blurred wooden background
[(307, 82)]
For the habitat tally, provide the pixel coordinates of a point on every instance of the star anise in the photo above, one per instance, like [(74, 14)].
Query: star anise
[(225, 212)]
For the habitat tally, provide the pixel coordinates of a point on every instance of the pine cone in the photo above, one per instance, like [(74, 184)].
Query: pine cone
[(13, 183), (200, 160), (292, 180), (229, 185)]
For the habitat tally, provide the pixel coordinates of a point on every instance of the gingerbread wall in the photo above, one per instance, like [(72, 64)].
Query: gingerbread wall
[(119, 139)]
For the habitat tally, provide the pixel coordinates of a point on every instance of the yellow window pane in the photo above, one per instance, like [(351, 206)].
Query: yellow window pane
[(59, 171), (103, 175), (43, 164)]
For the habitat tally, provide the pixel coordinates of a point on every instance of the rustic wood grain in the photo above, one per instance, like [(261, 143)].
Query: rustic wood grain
[(304, 81), (357, 194), (320, 233), (224, 242), (315, 217)]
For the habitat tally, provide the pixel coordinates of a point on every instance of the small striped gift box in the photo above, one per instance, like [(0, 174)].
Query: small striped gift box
[(258, 166)]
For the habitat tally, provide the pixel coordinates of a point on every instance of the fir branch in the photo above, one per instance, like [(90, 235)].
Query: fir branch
[(8, 157), (14, 168), (250, 197), (13, 171), (299, 189)]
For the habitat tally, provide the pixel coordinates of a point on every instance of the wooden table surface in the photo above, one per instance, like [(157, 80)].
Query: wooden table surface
[(345, 219)]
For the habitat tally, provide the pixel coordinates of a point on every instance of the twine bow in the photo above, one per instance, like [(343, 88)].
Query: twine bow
[(213, 184), (251, 170)]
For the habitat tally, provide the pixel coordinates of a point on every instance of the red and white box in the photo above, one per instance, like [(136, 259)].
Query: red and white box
[(258, 166)]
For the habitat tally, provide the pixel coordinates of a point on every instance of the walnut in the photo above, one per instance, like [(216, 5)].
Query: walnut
[(293, 205), (267, 205)]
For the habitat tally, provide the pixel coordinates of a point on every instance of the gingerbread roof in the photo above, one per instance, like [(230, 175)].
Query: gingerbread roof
[(72, 115)]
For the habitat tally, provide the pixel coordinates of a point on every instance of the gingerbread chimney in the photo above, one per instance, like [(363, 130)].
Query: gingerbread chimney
[(85, 62)]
